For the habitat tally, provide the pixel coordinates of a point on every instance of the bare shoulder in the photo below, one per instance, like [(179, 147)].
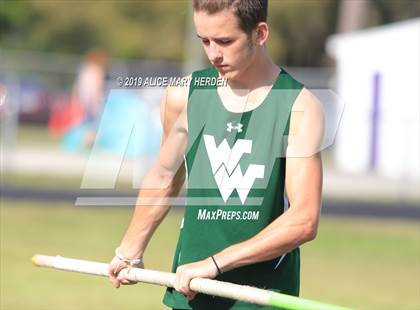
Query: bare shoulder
[(175, 98), (306, 100), (306, 125), (306, 108), (173, 106)]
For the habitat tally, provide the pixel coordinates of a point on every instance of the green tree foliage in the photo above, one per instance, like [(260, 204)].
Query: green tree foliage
[(140, 29), (157, 29), (299, 29)]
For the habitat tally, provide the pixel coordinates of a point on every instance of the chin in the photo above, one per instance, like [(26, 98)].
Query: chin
[(232, 76), (227, 74)]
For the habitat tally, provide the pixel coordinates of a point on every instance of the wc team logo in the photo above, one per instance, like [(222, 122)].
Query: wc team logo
[(227, 170)]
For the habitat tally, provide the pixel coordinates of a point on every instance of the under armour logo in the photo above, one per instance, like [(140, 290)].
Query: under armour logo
[(237, 127)]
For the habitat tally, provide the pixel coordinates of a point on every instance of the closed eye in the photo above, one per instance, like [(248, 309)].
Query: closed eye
[(224, 42), (221, 41), (203, 40)]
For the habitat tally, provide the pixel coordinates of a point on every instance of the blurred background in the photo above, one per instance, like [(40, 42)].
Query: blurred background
[(70, 134)]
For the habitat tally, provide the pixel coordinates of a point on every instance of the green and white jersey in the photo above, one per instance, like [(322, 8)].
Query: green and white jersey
[(236, 177)]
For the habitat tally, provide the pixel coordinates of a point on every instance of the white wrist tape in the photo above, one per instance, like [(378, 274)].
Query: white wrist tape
[(131, 262)]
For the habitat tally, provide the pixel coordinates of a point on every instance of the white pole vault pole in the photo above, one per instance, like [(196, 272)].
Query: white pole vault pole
[(206, 286)]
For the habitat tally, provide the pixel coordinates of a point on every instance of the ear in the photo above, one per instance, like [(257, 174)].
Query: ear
[(261, 33)]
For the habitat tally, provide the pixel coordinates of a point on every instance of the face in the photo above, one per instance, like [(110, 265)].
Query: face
[(227, 47)]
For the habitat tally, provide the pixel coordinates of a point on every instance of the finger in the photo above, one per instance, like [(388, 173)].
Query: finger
[(120, 266), (125, 281), (115, 281), (112, 274), (191, 296), (180, 287), (184, 286)]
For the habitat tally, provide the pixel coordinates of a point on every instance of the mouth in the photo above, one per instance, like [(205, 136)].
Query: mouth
[(221, 67)]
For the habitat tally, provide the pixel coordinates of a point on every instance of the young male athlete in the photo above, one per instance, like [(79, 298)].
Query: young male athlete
[(252, 162)]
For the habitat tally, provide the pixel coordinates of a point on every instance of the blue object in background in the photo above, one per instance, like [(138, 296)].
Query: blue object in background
[(74, 139), (126, 127)]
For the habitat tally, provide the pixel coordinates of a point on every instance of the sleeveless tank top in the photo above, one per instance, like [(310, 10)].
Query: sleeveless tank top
[(235, 167)]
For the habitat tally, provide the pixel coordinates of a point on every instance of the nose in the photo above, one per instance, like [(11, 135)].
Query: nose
[(215, 54)]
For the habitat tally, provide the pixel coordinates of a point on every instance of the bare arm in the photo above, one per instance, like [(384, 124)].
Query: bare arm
[(163, 181), (303, 185), (295, 227)]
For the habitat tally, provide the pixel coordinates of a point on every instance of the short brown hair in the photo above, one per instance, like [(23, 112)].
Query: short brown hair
[(249, 12)]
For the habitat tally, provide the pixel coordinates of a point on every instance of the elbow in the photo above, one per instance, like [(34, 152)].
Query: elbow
[(311, 234), (307, 220), (172, 182), (306, 229), (310, 231)]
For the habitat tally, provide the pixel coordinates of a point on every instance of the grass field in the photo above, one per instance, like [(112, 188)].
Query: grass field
[(38, 135), (361, 263)]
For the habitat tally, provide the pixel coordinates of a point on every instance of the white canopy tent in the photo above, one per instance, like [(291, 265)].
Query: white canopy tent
[(378, 77)]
